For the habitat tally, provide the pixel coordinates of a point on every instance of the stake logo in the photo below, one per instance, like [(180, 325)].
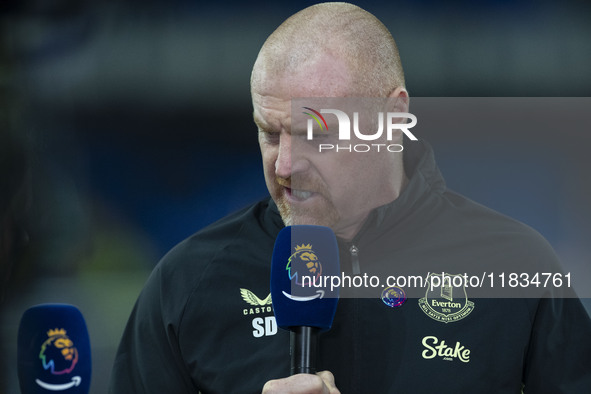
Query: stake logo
[(438, 348), (387, 122)]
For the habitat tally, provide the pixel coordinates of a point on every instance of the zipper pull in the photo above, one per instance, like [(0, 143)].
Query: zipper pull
[(354, 251)]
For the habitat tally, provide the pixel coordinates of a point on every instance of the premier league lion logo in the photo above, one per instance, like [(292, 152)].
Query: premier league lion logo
[(303, 262), (58, 353)]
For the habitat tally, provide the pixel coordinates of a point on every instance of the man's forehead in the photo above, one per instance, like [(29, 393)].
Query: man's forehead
[(323, 75), (273, 90), (293, 116), (271, 112)]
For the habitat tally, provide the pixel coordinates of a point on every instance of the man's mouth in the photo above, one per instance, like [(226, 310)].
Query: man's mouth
[(298, 195)]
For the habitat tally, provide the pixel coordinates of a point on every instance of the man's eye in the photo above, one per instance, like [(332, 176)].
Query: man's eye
[(270, 138), (322, 136)]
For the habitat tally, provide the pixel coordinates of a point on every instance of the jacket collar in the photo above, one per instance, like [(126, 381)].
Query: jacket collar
[(424, 179)]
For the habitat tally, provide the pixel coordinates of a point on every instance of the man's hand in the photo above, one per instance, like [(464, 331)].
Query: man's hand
[(321, 383)]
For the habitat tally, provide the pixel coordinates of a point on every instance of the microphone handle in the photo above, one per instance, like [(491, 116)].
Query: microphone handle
[(303, 349)]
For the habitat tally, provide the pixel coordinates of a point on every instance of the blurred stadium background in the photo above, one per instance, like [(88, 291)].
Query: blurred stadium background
[(126, 126)]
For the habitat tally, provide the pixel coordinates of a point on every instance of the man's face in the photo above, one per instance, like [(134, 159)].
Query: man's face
[(334, 189)]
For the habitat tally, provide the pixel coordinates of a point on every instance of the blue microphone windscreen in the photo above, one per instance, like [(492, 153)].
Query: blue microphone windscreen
[(53, 350), (305, 257)]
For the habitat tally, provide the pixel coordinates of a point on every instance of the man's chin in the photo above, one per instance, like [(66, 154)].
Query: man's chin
[(294, 220), (326, 217)]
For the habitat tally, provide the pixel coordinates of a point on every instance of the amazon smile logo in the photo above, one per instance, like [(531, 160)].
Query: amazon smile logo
[(76, 380)]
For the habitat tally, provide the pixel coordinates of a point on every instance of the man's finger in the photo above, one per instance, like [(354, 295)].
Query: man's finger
[(328, 379), (299, 384)]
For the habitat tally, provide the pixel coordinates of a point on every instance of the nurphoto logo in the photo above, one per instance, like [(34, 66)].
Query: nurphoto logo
[(362, 120)]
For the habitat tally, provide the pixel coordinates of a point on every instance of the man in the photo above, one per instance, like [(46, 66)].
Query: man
[(203, 324)]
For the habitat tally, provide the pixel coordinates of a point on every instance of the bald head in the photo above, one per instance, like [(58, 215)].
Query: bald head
[(341, 39)]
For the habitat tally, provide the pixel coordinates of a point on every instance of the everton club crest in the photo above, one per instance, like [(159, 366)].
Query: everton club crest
[(445, 302)]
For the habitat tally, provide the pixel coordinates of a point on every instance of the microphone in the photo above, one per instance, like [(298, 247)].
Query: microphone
[(305, 257), (53, 350)]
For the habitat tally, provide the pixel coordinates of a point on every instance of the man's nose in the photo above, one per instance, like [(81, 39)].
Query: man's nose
[(290, 159), (283, 161)]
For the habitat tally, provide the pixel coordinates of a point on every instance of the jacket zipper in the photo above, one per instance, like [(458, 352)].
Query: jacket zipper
[(356, 269), (354, 251)]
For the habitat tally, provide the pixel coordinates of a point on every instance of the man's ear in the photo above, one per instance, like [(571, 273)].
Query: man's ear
[(401, 103)]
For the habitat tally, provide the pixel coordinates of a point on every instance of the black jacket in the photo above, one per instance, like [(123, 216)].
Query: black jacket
[(204, 321)]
